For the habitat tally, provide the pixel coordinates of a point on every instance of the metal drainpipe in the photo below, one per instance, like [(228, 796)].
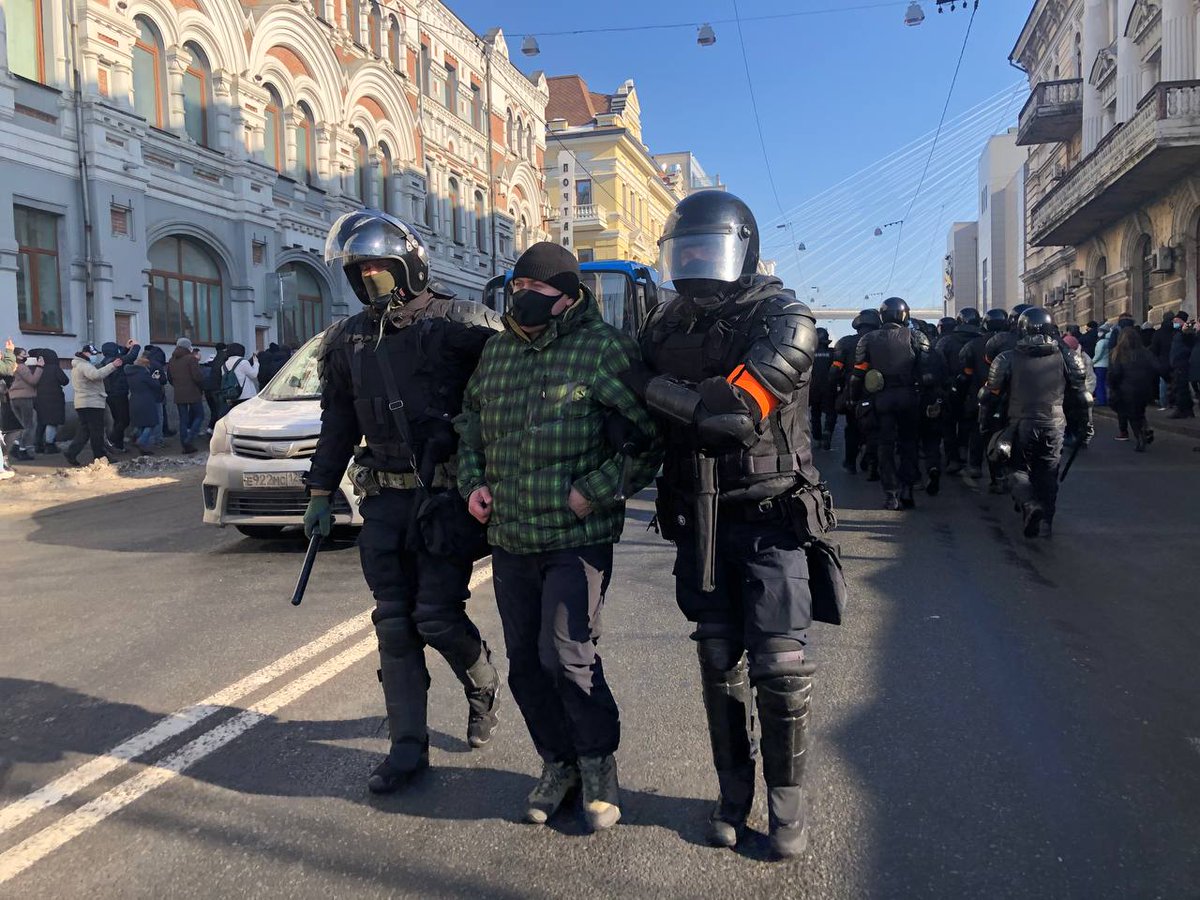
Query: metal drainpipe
[(88, 232), (487, 133)]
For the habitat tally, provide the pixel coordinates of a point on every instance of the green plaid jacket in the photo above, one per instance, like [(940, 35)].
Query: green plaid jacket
[(532, 427)]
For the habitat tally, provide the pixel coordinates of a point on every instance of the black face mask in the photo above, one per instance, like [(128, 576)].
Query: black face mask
[(531, 309)]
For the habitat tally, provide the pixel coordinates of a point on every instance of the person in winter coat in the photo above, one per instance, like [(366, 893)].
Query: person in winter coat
[(270, 361), (246, 371), (8, 367), (1132, 383), (1100, 364), (212, 387), (1087, 343), (21, 396), (159, 360), (118, 389), (50, 403), (1160, 346), (188, 379), (145, 398), (87, 378), (1181, 354)]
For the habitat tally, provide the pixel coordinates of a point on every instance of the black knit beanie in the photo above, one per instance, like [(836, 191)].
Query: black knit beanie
[(552, 264)]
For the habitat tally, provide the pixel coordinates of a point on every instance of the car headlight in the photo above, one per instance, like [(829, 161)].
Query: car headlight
[(221, 440)]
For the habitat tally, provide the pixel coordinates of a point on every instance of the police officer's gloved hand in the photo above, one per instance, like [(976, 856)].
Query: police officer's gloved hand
[(723, 419), (318, 516)]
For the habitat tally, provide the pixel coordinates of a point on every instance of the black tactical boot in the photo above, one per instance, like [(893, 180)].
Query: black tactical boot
[(954, 466), (388, 778), (405, 682), (935, 482), (891, 500), (827, 442), (783, 703), (729, 708), (482, 684), (557, 781), (1034, 515), (601, 791), (906, 496)]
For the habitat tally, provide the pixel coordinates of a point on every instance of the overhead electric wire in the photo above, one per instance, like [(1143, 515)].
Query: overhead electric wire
[(945, 108)]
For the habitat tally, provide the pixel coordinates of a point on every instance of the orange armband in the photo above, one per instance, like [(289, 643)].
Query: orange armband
[(742, 378)]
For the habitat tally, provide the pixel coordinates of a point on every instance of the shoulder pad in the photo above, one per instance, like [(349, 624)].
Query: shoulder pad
[(655, 317), (921, 340), (337, 333), (470, 312)]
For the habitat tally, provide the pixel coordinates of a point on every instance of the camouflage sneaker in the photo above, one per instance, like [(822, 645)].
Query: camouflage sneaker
[(557, 781)]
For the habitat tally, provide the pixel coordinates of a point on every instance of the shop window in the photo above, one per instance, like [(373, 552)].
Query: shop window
[(39, 299), (186, 293)]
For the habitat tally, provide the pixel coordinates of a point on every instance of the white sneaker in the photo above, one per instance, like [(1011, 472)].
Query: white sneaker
[(6, 474)]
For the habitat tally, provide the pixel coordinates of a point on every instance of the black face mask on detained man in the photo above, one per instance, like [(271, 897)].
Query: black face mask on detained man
[(531, 309)]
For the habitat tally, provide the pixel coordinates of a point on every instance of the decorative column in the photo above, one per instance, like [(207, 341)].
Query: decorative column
[(222, 88), (327, 164), (293, 118), (1095, 30), (178, 61), (1178, 40), (1128, 64)]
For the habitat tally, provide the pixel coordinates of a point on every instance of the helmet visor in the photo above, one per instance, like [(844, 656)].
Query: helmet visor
[(716, 256), (364, 235)]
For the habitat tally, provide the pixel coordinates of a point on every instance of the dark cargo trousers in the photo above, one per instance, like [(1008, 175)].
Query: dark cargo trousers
[(550, 605), (1037, 449)]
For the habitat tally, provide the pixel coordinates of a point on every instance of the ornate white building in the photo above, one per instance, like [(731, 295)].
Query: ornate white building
[(187, 186), (1112, 194)]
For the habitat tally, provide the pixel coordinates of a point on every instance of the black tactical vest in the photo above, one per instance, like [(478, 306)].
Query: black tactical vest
[(692, 344), (1039, 379), (890, 350)]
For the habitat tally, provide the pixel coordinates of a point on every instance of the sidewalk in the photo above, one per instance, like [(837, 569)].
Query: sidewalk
[(1159, 421), (48, 463)]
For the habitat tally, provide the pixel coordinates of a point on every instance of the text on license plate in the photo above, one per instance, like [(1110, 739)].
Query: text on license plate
[(272, 479)]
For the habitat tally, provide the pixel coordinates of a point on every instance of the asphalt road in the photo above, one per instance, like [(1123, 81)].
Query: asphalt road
[(997, 718)]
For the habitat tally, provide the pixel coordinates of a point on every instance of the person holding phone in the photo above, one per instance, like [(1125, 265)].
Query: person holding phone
[(21, 395), (87, 377)]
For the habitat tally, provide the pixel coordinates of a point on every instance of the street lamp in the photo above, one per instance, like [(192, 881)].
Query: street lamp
[(705, 36), (529, 46), (914, 15), (879, 230)]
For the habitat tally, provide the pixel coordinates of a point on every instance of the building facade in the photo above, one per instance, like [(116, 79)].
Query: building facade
[(1113, 127), (1001, 254), (960, 270), (688, 168), (609, 197), (187, 187)]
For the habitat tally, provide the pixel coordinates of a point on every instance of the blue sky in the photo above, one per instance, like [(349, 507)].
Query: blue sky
[(837, 92)]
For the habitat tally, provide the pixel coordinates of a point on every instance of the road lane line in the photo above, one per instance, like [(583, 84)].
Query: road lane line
[(16, 860), (181, 720)]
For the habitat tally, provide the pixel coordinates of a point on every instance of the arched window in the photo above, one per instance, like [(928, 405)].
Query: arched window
[(430, 200), (1142, 298), (508, 130), (186, 296), (529, 142), (458, 233), (362, 175), (197, 96), (306, 147), (354, 20), (273, 152), (26, 25), (385, 179), (302, 311), (480, 222), (375, 26), (149, 74), (394, 44)]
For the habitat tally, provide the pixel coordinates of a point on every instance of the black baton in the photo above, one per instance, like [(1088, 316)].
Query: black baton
[(310, 557), (1070, 460)]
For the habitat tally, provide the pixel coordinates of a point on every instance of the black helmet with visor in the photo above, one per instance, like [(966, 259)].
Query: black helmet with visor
[(709, 243), (371, 235)]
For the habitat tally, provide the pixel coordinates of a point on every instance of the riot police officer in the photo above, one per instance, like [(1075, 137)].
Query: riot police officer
[(973, 366), (392, 378), (956, 425), (729, 363), (892, 366), (820, 395), (843, 362), (1041, 387)]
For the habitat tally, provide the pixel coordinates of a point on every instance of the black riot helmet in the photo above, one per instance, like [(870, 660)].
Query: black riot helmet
[(371, 235), (968, 316), (1017, 311), (995, 320), (946, 325), (893, 310), (709, 243), (822, 337), (1035, 320), (866, 320)]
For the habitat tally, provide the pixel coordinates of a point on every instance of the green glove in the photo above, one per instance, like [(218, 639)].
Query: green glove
[(318, 516)]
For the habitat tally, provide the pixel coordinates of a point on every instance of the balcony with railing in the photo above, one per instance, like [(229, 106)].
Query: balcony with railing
[(1053, 113), (590, 214), (1135, 163)]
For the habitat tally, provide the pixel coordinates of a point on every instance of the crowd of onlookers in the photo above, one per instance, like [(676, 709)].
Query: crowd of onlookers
[(1139, 365), (122, 393)]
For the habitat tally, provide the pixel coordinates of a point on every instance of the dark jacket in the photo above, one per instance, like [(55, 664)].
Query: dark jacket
[(51, 403), (1160, 343), (145, 395), (1133, 380), (1087, 343), (821, 391), (1181, 349), (187, 376), (117, 384), (270, 361)]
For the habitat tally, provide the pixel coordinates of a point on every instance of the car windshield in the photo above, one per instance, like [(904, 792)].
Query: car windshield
[(298, 379)]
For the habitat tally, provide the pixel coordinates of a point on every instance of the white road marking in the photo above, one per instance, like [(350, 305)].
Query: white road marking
[(181, 720), (16, 860)]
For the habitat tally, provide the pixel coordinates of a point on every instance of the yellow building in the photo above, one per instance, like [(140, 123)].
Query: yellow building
[(608, 196)]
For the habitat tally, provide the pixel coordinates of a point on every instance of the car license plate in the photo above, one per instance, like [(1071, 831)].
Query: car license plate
[(272, 479)]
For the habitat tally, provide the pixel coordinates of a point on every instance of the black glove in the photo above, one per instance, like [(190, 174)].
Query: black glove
[(723, 418)]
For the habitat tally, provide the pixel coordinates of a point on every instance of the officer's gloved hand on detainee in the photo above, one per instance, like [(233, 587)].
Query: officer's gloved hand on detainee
[(318, 516), (723, 419)]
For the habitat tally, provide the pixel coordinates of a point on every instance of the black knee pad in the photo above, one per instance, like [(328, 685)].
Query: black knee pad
[(398, 636), (458, 642), (718, 654), (775, 657)]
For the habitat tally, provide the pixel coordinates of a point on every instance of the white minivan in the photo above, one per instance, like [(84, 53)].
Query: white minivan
[(260, 451)]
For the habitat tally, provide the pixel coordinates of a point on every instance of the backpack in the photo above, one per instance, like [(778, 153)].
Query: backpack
[(231, 388)]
